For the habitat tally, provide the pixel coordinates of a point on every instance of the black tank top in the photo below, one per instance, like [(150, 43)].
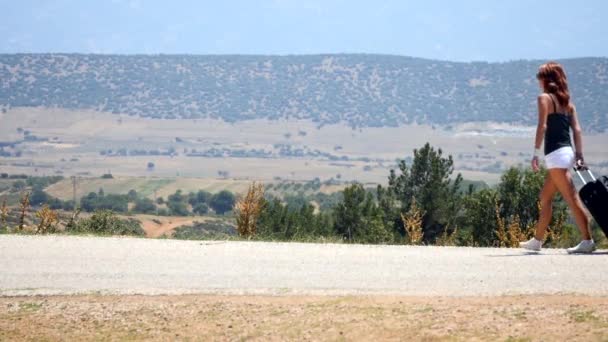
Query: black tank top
[(557, 134)]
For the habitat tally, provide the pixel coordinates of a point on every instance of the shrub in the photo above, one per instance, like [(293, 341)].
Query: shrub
[(18, 186), (222, 202), (248, 209), (144, 205), (215, 229), (39, 197), (48, 220), (201, 208), (132, 195), (3, 214), (412, 223), (358, 218), (106, 222)]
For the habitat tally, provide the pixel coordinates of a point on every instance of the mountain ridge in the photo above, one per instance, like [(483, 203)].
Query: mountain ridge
[(363, 90)]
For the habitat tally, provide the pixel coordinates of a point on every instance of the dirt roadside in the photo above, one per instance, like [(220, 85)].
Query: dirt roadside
[(217, 317)]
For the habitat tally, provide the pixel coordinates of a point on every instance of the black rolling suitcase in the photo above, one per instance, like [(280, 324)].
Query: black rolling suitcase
[(594, 195)]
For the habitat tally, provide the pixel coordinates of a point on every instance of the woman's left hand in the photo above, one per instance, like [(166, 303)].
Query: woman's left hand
[(535, 167)]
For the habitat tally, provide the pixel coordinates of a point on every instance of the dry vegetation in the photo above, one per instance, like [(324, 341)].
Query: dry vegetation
[(3, 213), (24, 205), (509, 231), (47, 220), (264, 318), (412, 222), (247, 209)]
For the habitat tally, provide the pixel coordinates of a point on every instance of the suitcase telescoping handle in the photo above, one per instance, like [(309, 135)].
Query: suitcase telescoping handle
[(578, 172)]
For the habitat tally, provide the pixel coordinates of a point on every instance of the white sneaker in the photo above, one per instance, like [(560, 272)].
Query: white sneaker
[(586, 246), (532, 245)]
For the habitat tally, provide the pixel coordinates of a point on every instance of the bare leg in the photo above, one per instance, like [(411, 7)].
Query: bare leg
[(562, 180), (546, 207)]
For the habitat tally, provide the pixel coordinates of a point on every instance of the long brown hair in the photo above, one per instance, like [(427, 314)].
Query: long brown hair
[(555, 82)]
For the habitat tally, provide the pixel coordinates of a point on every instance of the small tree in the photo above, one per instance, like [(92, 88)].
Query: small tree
[(428, 178), (248, 209), (358, 218), (200, 208), (514, 232), (24, 205), (48, 219), (447, 238), (501, 230), (132, 195), (412, 223), (144, 205), (222, 201), (3, 214), (73, 221)]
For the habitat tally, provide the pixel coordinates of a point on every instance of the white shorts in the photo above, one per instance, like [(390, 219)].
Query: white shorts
[(562, 158)]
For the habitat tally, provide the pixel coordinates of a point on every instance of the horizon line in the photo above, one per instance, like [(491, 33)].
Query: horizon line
[(158, 54)]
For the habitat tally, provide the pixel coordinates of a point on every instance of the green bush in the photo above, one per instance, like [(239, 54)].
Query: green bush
[(144, 205), (105, 222), (201, 209), (216, 229), (222, 202)]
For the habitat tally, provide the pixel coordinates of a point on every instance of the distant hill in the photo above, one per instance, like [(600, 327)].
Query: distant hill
[(361, 90)]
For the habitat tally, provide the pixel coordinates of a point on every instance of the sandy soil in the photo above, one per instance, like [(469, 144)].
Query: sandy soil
[(199, 317)]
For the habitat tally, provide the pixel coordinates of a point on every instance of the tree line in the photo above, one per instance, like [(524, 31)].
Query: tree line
[(423, 203)]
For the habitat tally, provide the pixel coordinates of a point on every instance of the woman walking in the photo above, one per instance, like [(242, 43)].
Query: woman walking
[(556, 116)]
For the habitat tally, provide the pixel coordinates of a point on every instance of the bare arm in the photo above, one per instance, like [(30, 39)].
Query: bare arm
[(543, 111), (578, 136)]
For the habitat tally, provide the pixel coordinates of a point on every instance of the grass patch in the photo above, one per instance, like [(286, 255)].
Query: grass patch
[(583, 316), (30, 306), (518, 339), (520, 315), (147, 189)]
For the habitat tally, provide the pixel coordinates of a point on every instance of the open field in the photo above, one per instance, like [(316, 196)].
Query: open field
[(273, 318), (75, 140), (161, 187)]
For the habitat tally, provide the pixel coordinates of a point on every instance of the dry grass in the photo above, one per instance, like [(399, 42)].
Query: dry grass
[(508, 232), (47, 220), (447, 238), (514, 232), (279, 318), (556, 229), (412, 223)]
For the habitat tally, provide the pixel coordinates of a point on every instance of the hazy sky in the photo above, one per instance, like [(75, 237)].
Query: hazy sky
[(460, 30)]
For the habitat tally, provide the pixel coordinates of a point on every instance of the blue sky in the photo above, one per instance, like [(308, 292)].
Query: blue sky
[(460, 30)]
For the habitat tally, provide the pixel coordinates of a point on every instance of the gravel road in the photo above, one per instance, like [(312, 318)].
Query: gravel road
[(42, 265)]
